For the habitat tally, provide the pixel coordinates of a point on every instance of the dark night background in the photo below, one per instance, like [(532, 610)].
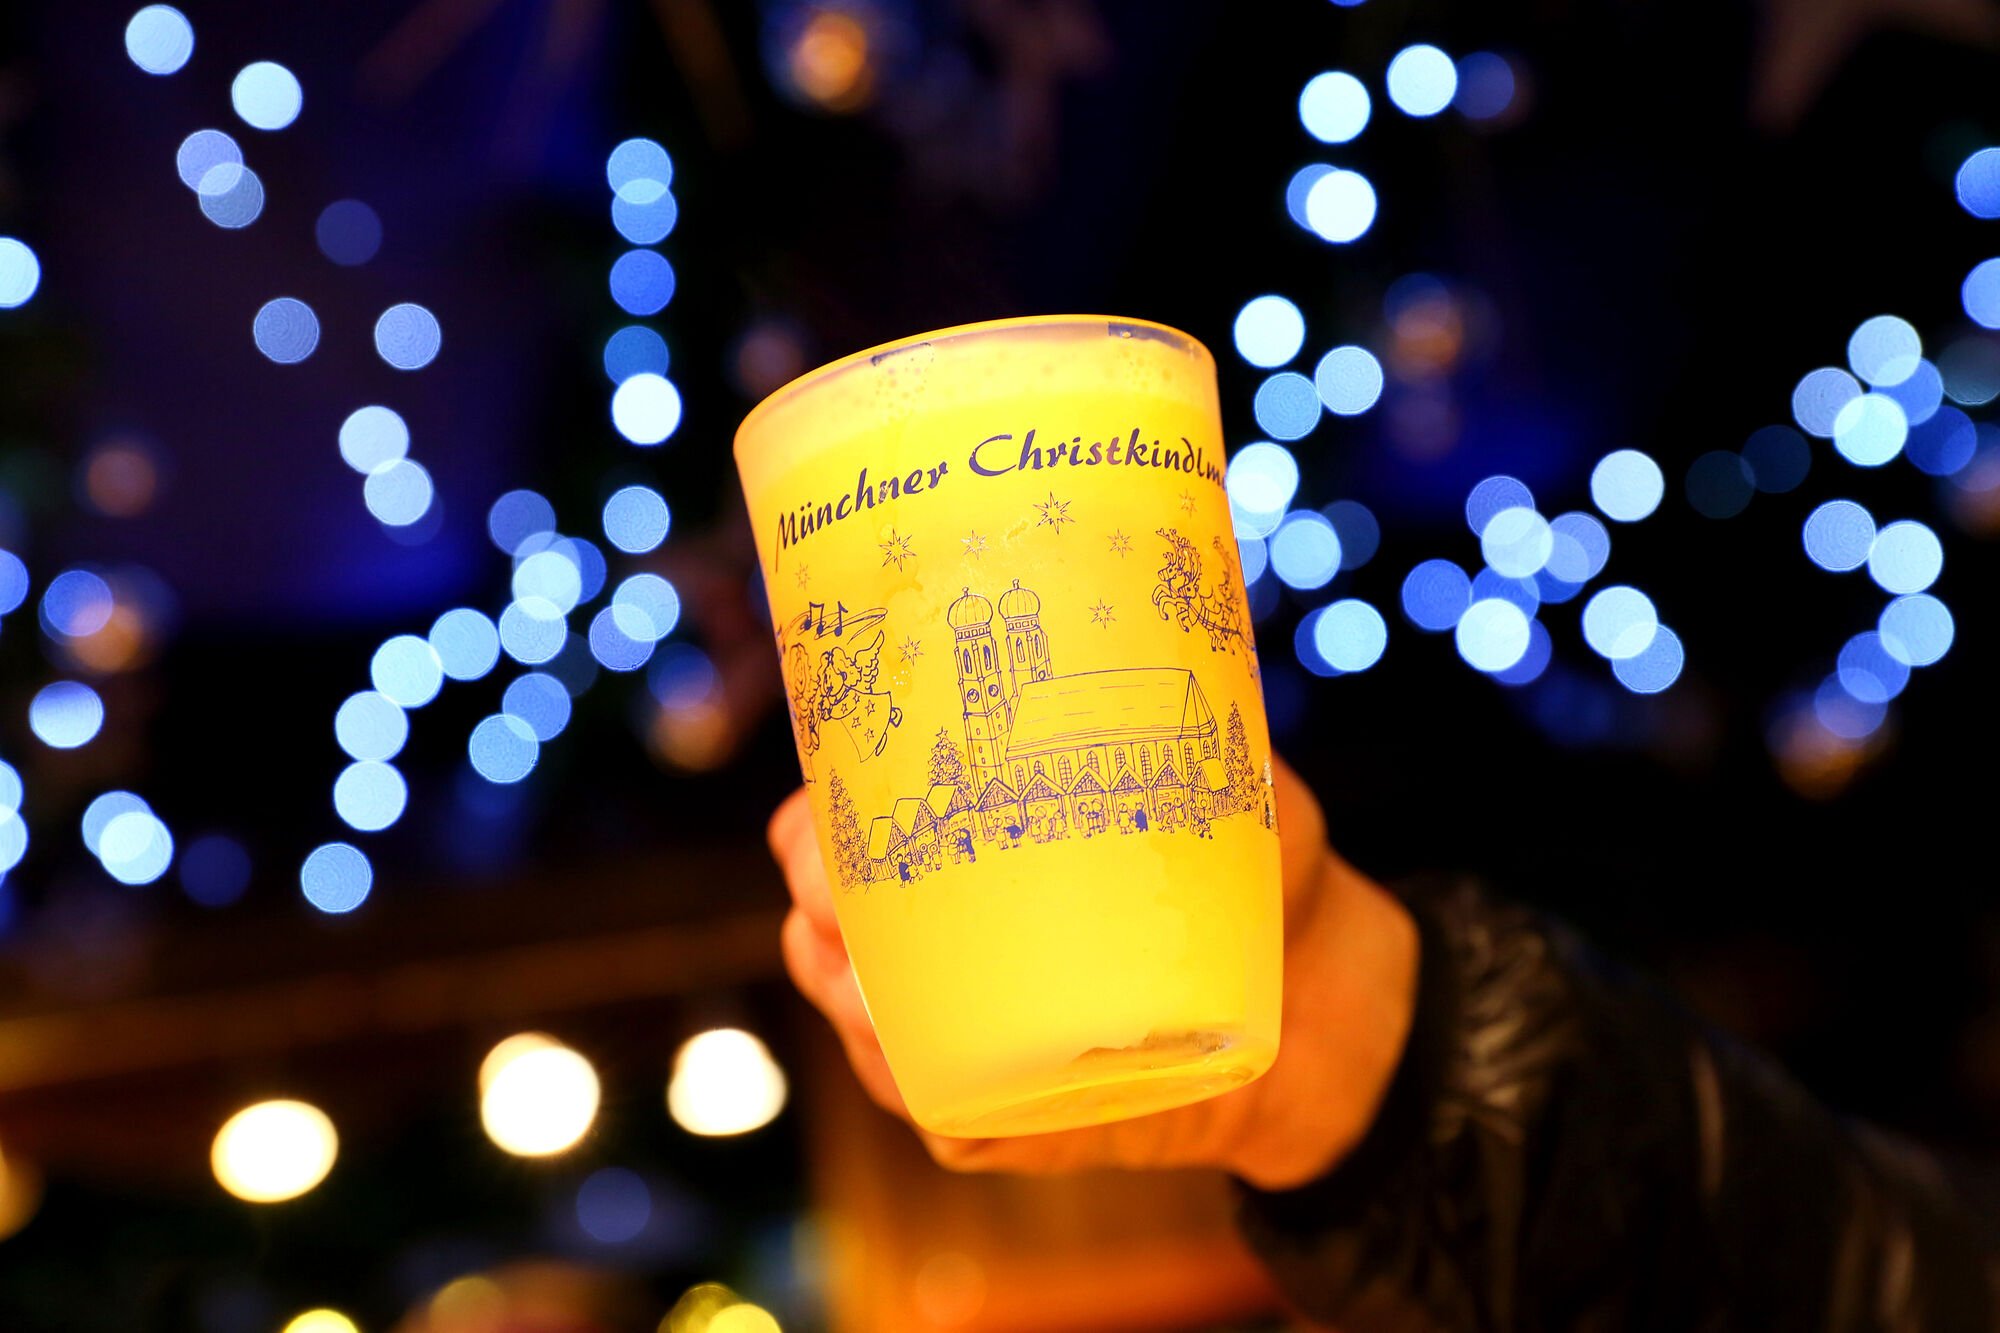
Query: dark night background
[(1670, 226)]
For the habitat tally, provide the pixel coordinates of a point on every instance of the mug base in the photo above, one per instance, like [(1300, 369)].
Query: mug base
[(1164, 1071)]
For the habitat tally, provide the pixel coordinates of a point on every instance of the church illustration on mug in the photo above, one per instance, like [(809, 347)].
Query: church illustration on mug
[(1044, 756)]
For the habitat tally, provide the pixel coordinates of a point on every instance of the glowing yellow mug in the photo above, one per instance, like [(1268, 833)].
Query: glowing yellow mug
[(1018, 657)]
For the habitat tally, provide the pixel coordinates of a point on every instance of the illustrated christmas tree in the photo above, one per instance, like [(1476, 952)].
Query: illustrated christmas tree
[(850, 852), (1236, 762), (947, 765)]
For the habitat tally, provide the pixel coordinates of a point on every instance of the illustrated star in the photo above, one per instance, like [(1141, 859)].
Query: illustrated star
[(1101, 614), (804, 576), (911, 651), (1055, 513), (1187, 502), (897, 549), (1120, 543), (975, 545)]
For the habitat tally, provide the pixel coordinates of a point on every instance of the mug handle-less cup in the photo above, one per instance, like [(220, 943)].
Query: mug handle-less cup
[(1018, 659)]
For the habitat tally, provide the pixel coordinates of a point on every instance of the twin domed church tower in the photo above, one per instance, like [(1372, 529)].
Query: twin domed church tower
[(991, 673)]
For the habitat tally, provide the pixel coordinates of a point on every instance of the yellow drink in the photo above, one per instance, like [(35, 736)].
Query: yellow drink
[(1018, 658)]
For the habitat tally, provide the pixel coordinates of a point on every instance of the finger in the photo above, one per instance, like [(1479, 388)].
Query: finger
[(796, 847), (824, 976)]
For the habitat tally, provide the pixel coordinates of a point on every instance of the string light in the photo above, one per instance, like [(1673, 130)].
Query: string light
[(724, 1082), (274, 1150), (538, 1099)]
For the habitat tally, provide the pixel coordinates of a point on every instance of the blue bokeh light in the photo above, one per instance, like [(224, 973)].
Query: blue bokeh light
[(1627, 485), (370, 725), (1978, 183), (1261, 480), (1534, 659), (12, 790), (503, 749), (1517, 542), (1619, 622), (1422, 80), (1838, 536), (1350, 635), (1253, 556), (1970, 369), (1906, 557), (1287, 406), (646, 408), (1981, 294), (1334, 107), (372, 437), (136, 847), (1844, 715), (533, 634), (642, 282), (236, 204), (1436, 594), (1579, 547), (1818, 398), (466, 642), (634, 350), (1305, 645), (1525, 594), (1305, 550), (553, 577), (1778, 458), (518, 516), (541, 701), (1491, 496), (1920, 394), (1654, 669), (1348, 380), (266, 95), (348, 232), (209, 161), (613, 646), (369, 795), (648, 223), (66, 714), (613, 1205), (406, 670), (286, 330), (1493, 634), (1943, 445), (1299, 188), (398, 493), (76, 604), (13, 582), (636, 519), (1269, 330), (408, 336), (20, 273), (1867, 669), (591, 566), (1359, 532), (97, 816), (1486, 86), (159, 39), (1720, 484), (639, 170), (652, 606), (336, 877), (215, 870), (1340, 206), (1884, 350), (1917, 630)]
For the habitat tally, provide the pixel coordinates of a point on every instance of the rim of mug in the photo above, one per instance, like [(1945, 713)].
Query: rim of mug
[(1115, 326)]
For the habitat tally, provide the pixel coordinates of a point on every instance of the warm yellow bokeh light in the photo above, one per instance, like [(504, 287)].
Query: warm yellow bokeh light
[(322, 1321), (274, 1150), (20, 1194), (538, 1100), (472, 1304), (697, 1308), (509, 1047), (724, 1082), (743, 1319)]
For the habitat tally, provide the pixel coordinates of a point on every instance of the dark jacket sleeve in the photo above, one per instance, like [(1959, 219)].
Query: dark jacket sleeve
[(1564, 1148)]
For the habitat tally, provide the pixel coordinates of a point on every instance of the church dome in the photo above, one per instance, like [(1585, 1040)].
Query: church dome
[(968, 611), (1018, 601)]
